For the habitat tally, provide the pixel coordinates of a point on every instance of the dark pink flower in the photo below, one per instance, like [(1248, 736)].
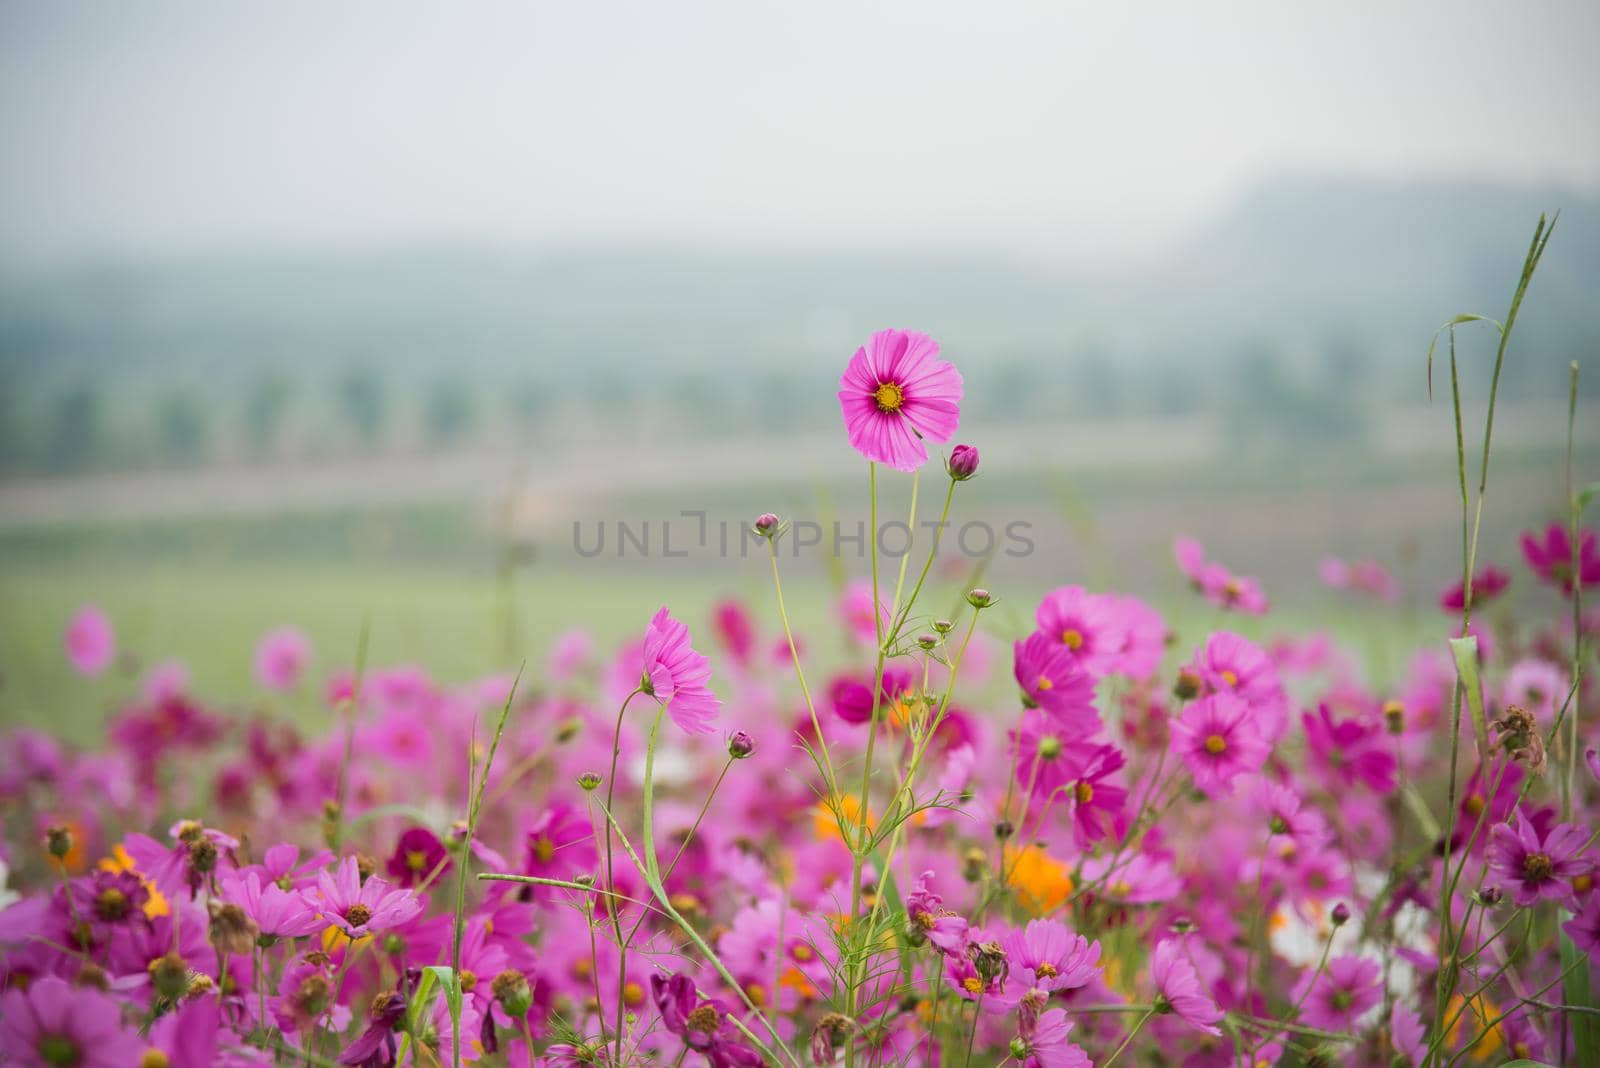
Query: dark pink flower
[(1551, 557), (1231, 663), (895, 393), (1051, 679), (1094, 800), (51, 1023), (1218, 741), (1047, 955), (361, 908), (946, 930), (1337, 998), (1178, 989), (418, 855), (1584, 928), (1351, 751), (734, 629), (702, 1023), (1535, 866), (90, 642), (1487, 584), (677, 676)]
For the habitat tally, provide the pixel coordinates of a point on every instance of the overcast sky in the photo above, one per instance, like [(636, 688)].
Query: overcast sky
[(134, 128)]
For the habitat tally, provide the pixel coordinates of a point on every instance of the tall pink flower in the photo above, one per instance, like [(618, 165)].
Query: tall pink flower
[(1088, 625), (281, 659), (894, 393), (676, 675), (1051, 679), (1218, 740), (360, 908), (1550, 557), (90, 642)]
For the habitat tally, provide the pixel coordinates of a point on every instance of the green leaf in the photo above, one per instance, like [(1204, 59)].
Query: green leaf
[(1576, 991), (1465, 652), (1526, 1064), (1587, 494)]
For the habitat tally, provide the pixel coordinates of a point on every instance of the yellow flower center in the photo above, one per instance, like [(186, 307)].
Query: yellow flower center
[(1085, 793), (1045, 684), (1216, 745), (632, 994), (416, 860), (1537, 867), (802, 952), (1046, 970), (973, 984), (1230, 678), (889, 397), (1072, 639), (544, 849)]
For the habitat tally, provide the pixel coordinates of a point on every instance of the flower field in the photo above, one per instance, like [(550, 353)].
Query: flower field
[(1103, 839)]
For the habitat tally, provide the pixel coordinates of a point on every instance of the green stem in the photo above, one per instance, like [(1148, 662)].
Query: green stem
[(1127, 1039)]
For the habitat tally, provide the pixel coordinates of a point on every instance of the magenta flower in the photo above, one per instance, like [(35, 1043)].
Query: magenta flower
[(1351, 751), (281, 659), (1550, 557), (361, 908), (1094, 800), (1231, 663), (277, 912), (1584, 928), (560, 845), (1044, 762), (895, 393), (1219, 742), (1178, 989), (1487, 584), (51, 1023), (702, 1024), (676, 675), (1048, 956), (417, 855), (946, 930), (1346, 990), (1087, 625), (90, 642), (1049, 1044), (1536, 867), (1051, 679)]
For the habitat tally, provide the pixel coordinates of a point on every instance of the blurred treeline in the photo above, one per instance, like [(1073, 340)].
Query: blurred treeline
[(1301, 313)]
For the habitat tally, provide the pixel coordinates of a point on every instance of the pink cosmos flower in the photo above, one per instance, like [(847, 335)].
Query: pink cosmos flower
[(1550, 557), (1178, 988), (90, 642), (676, 675), (1337, 998), (1050, 1046), (1094, 800), (1231, 663), (281, 659), (569, 653), (734, 629), (361, 908), (1047, 955), (1584, 928), (1218, 740), (279, 913), (1487, 584), (1351, 751), (1537, 866), (1087, 625), (1044, 758), (189, 1036), (560, 845), (895, 393), (418, 855), (166, 681), (1144, 638), (1051, 679), (50, 1023), (1238, 593), (946, 930), (855, 609)]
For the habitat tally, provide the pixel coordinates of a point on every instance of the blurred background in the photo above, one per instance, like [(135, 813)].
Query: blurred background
[(322, 313)]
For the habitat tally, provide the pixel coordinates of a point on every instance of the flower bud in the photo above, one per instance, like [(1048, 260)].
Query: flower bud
[(741, 745), (963, 462), (979, 598), (1020, 1048), (1187, 687), (1004, 830), (1394, 716), (928, 642), (58, 841), (767, 525), (170, 976), (589, 780), (512, 991), (943, 626), (1491, 895), (1341, 914), (973, 864)]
